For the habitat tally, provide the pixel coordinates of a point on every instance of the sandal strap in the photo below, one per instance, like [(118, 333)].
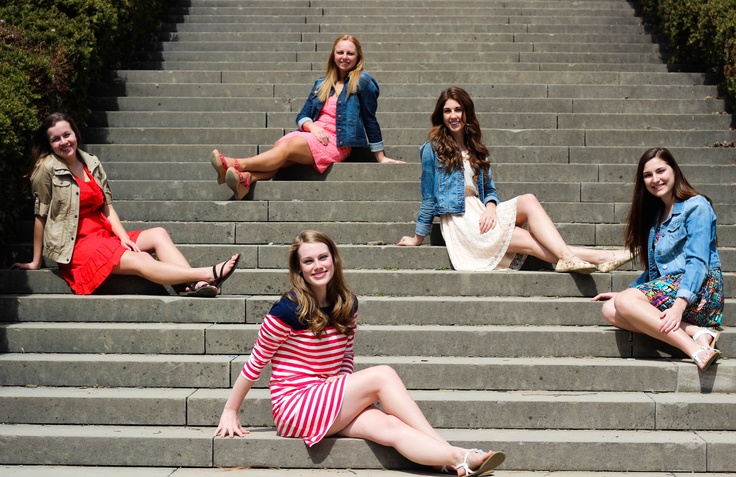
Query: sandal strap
[(464, 464), (704, 331), (698, 358)]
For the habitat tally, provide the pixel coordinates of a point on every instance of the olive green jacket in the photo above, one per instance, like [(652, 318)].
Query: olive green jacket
[(56, 195)]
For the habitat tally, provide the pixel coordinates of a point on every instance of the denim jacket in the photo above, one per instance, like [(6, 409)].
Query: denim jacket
[(687, 245), (356, 114), (444, 193), (56, 197)]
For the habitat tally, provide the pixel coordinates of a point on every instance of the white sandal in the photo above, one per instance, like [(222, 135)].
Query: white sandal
[(493, 461), (713, 358), (707, 331)]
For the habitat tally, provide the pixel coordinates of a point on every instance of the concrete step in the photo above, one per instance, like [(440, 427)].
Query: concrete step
[(434, 77), (589, 374), (370, 283), (501, 154), (418, 105), (488, 341), (599, 450), (417, 136), (396, 46), (196, 86), (373, 172), (245, 471), (397, 120), (443, 409), (370, 39)]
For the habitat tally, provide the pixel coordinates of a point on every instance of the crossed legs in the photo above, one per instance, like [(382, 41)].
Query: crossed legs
[(630, 310), (544, 241), (402, 425)]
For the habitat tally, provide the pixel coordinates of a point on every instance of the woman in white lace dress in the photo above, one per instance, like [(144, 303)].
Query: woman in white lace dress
[(481, 232)]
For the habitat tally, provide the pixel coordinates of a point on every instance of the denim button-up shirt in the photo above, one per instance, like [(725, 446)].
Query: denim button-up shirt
[(444, 193), (356, 114), (687, 245)]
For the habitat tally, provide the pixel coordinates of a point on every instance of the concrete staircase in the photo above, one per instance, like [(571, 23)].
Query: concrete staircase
[(570, 94)]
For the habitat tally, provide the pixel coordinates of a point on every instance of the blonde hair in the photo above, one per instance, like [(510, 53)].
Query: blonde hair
[(341, 298), (332, 75)]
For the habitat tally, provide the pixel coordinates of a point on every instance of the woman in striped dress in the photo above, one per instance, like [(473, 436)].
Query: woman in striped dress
[(308, 337)]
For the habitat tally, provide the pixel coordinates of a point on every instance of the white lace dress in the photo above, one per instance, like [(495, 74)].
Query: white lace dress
[(467, 247)]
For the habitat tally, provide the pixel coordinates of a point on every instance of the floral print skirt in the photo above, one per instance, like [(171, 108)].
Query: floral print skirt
[(706, 310)]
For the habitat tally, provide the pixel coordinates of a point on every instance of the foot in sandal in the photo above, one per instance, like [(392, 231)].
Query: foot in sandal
[(706, 356), (477, 463), (223, 271)]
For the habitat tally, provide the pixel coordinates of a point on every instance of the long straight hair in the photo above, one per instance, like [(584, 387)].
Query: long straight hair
[(338, 293), (646, 209), (41, 145), (332, 75), (448, 151)]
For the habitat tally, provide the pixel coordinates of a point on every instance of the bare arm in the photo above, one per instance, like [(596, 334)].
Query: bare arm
[(38, 225), (229, 422), (118, 229)]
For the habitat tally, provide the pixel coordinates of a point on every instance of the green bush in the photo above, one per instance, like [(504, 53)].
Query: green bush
[(51, 54), (700, 33)]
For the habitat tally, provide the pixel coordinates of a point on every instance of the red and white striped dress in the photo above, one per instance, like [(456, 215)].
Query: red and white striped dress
[(304, 405)]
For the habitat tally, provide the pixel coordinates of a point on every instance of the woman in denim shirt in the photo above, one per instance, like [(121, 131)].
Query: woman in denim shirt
[(679, 296), (338, 114), (76, 225), (481, 232)]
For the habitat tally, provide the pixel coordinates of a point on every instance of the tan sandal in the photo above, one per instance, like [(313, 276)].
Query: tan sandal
[(615, 263), (238, 182), (574, 264)]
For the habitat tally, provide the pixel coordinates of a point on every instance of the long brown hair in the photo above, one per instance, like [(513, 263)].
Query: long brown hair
[(41, 145), (332, 75), (448, 151), (646, 209), (338, 293)]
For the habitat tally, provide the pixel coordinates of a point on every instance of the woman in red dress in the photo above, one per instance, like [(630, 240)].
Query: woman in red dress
[(308, 337), (77, 226)]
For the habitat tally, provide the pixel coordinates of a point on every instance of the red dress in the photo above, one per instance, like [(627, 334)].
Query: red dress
[(97, 249)]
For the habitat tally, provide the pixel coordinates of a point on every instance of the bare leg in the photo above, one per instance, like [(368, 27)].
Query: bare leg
[(630, 310), (402, 425), (158, 241), (294, 150), (544, 241), (543, 230), (144, 265)]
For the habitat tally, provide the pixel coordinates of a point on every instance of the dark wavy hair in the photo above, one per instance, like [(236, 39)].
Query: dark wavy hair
[(445, 146), (646, 209), (41, 145), (338, 294)]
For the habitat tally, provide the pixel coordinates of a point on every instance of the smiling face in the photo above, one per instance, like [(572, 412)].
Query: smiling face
[(659, 179), (63, 141), (345, 56), (316, 265), (454, 118)]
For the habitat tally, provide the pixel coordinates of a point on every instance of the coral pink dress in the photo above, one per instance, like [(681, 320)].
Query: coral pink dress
[(324, 155), (304, 404), (97, 249)]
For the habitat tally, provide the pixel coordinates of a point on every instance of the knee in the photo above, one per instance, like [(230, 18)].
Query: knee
[(159, 236), (386, 375), (609, 312)]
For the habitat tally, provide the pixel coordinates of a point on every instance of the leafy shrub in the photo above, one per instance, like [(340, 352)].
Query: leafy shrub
[(701, 33), (51, 54)]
